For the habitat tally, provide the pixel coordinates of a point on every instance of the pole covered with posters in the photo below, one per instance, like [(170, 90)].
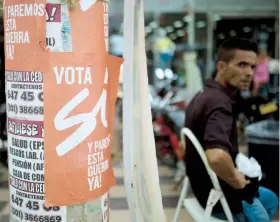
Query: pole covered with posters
[(61, 88)]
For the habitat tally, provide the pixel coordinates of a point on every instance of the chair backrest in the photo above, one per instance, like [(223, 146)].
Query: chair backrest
[(187, 132)]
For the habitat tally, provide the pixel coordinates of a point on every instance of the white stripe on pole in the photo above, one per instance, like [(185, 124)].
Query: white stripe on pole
[(127, 101), (140, 162)]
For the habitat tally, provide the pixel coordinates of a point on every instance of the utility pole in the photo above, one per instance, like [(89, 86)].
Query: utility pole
[(31, 28)]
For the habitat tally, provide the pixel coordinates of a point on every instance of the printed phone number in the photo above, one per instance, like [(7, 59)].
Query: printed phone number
[(32, 205), (28, 96), (32, 110), (33, 217)]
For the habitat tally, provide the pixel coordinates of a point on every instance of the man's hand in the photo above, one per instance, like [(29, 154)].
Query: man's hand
[(222, 164), (239, 182)]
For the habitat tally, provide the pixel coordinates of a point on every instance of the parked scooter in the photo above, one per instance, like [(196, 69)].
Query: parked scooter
[(168, 120), (164, 137)]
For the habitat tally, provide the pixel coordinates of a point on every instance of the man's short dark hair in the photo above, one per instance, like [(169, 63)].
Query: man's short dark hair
[(227, 49)]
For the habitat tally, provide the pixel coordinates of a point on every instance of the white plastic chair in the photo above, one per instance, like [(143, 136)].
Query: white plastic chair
[(191, 204)]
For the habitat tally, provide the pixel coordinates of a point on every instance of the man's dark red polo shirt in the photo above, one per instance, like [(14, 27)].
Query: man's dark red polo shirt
[(211, 117)]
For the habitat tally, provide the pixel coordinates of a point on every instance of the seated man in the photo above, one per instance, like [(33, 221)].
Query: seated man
[(211, 117)]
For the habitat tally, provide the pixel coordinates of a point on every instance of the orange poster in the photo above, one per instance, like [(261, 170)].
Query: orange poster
[(80, 92), (24, 26), (80, 95)]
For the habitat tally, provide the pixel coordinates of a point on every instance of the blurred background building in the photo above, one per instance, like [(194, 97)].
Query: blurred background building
[(203, 24)]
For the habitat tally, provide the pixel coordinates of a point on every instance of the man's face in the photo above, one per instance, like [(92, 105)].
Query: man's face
[(240, 70)]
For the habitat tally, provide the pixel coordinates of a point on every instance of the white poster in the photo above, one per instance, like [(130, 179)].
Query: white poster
[(54, 27), (58, 33), (24, 91)]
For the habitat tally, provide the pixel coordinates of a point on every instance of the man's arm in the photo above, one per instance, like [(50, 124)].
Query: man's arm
[(217, 144), (222, 164)]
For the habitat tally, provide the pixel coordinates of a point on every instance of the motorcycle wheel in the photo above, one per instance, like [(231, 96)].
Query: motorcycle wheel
[(169, 159)]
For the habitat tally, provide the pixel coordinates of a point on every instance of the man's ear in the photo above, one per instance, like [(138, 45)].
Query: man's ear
[(221, 66)]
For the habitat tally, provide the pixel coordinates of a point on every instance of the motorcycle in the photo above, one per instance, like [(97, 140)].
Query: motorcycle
[(163, 135), (168, 120)]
